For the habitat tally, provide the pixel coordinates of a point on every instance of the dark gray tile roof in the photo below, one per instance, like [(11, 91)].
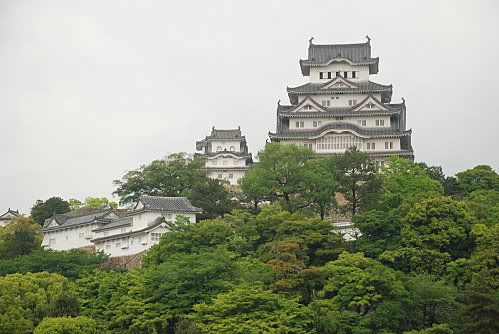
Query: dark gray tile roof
[(317, 88), (115, 223), (150, 226), (168, 204), (321, 54), (225, 133), (9, 212), (65, 221), (378, 132)]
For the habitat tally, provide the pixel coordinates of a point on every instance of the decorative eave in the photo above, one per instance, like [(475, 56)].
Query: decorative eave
[(339, 127), (227, 168), (287, 111), (376, 153), (369, 87)]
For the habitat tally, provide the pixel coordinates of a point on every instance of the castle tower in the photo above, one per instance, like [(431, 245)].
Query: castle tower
[(340, 107), (226, 153)]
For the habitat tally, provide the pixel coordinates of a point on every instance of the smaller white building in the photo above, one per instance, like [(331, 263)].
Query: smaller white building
[(143, 226), (8, 216), (73, 230), (226, 154)]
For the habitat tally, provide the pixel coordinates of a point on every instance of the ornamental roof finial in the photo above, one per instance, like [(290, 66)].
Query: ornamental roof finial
[(279, 103), (310, 41), (403, 101), (368, 39)]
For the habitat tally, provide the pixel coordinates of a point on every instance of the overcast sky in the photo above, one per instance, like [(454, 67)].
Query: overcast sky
[(90, 89)]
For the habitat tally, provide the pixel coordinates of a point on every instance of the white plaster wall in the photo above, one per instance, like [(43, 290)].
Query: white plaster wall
[(227, 161), (70, 238), (379, 144), (225, 145), (236, 175), (361, 75), (308, 123), (129, 245)]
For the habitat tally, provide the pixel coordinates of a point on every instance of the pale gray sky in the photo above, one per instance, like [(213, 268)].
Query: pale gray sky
[(90, 89)]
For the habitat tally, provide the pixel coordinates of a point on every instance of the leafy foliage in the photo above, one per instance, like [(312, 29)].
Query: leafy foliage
[(46, 209), (67, 325), (19, 238)]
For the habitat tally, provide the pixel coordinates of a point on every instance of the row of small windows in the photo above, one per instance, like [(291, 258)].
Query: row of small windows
[(362, 122), (224, 162), (219, 148), (329, 75)]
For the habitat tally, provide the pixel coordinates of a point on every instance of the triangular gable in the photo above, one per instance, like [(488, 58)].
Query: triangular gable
[(138, 206), (110, 215), (339, 83), (53, 223), (308, 105), (370, 104)]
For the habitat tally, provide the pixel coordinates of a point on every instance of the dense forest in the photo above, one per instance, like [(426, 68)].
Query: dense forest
[(269, 261)]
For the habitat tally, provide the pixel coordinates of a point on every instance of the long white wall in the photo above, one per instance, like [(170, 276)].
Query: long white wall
[(226, 174), (69, 238), (312, 123)]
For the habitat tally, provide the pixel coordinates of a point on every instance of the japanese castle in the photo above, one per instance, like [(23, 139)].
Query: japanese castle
[(340, 107), (226, 154)]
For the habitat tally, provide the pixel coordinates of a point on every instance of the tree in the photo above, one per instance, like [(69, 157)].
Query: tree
[(479, 177), (441, 224), (210, 195), (161, 178), (66, 325), (71, 264), (177, 176), (481, 297), (255, 189), (19, 237), (27, 299), (252, 310), (184, 280), (435, 329), (357, 179), (434, 172), (321, 185), (402, 179), (360, 296), (485, 205), (43, 210), (189, 238), (280, 172)]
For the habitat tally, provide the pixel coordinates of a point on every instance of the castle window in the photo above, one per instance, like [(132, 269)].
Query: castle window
[(314, 125), (321, 75), (300, 124), (231, 176), (118, 244), (329, 75), (338, 73), (338, 118), (391, 145), (108, 246), (354, 74), (386, 145), (219, 176), (345, 74), (326, 103), (219, 148)]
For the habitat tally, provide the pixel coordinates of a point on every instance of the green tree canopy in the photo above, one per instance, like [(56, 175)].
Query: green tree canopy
[(19, 237), (479, 177), (67, 325), (27, 299), (280, 174), (357, 179), (402, 179), (43, 210), (177, 176), (252, 310)]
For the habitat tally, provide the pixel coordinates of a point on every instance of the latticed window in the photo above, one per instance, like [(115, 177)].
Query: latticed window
[(338, 142), (155, 236)]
